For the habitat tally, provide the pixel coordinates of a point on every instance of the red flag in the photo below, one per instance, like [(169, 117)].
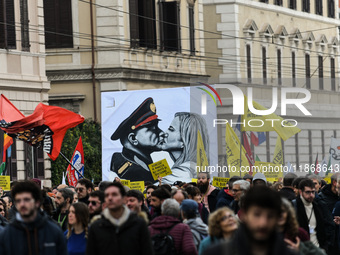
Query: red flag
[(249, 155), (45, 128), (78, 162), (8, 141), (8, 111)]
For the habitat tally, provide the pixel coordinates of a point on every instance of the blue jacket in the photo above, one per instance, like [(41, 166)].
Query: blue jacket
[(208, 242), (223, 199), (42, 236)]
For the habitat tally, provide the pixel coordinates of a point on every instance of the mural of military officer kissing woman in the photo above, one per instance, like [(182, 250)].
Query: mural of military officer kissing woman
[(143, 127)]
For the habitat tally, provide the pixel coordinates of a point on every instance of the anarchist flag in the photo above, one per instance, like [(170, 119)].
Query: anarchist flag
[(45, 128), (8, 111), (78, 162)]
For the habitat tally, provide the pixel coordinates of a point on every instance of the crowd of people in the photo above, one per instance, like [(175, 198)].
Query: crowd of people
[(300, 215)]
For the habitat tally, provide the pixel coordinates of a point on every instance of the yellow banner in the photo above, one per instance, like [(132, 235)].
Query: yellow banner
[(270, 170), (194, 180), (160, 168), (233, 153), (202, 159), (5, 182), (264, 123), (328, 178), (272, 180), (125, 182), (137, 186), (220, 182), (278, 154)]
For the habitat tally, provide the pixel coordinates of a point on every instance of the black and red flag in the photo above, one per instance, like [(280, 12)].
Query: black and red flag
[(45, 128)]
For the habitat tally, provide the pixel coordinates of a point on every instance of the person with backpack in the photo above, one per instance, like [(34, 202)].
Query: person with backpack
[(190, 216), (168, 235)]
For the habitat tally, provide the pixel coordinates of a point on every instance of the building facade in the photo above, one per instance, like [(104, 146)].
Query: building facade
[(273, 43), (96, 46), (23, 79)]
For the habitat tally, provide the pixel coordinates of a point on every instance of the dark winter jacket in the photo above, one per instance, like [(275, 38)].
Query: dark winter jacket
[(212, 200), (203, 212), (85, 200), (336, 212), (287, 193), (11, 213), (308, 248), (181, 234), (224, 198), (155, 212), (129, 237), (322, 235), (3, 221), (239, 245), (235, 206), (328, 197), (61, 219), (40, 237)]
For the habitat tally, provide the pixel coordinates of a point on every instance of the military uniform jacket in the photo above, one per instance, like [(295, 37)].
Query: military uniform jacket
[(125, 166)]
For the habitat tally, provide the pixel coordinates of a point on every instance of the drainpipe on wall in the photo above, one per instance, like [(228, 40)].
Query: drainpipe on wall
[(92, 66)]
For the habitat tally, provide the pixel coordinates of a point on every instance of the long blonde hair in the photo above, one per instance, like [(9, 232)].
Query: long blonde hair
[(82, 215), (190, 123)]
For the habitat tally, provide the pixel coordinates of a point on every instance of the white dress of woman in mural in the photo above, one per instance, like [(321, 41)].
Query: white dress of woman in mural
[(181, 144)]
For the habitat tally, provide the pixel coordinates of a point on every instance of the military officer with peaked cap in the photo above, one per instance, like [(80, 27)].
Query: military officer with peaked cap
[(140, 136)]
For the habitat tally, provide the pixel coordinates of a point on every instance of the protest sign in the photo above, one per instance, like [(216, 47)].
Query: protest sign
[(160, 168), (137, 186), (125, 182), (5, 182), (220, 182)]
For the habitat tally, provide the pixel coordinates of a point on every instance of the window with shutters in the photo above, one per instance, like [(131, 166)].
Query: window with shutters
[(58, 24), (34, 162), (306, 5), (332, 74), (192, 30), (307, 66), (24, 21), (293, 70), (169, 13), (7, 25), (320, 68), (318, 7), (279, 68), (248, 63), (264, 1), (292, 4), (142, 24), (264, 65), (278, 2), (331, 9)]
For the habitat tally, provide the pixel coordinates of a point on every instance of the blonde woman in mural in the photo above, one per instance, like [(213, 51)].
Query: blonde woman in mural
[(181, 143)]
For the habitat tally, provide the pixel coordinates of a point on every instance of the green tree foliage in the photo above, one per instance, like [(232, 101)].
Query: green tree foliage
[(90, 133)]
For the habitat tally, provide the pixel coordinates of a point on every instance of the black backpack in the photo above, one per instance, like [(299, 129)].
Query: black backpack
[(163, 243)]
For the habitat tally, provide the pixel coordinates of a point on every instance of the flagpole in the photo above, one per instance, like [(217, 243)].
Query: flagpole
[(241, 143), (71, 164), (283, 152)]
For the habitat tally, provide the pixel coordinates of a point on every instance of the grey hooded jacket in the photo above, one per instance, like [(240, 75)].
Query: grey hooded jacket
[(198, 229)]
